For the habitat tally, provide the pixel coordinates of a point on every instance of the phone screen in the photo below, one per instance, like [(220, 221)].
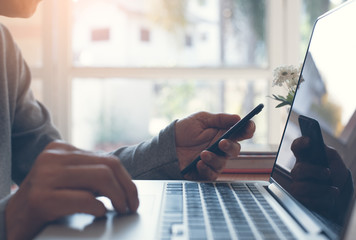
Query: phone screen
[(310, 128)]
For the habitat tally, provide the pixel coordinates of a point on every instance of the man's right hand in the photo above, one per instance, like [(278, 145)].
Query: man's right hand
[(66, 180), (316, 186)]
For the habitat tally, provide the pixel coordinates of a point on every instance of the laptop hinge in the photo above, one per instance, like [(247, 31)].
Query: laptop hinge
[(307, 222)]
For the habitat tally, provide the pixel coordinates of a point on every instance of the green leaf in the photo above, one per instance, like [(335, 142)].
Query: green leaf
[(279, 98), (290, 96), (284, 101), (282, 104)]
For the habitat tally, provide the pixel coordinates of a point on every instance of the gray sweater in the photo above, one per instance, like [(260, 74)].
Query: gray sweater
[(26, 128)]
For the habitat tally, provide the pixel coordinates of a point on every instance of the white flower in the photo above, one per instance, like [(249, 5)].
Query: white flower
[(288, 75)]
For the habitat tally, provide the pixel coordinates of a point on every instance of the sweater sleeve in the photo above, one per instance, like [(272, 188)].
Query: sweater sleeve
[(154, 159), (26, 127), (31, 126)]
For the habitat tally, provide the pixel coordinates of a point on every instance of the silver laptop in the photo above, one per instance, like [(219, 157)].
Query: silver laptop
[(261, 210)]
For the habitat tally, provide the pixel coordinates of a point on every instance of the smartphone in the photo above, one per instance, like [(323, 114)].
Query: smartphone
[(233, 131), (310, 127)]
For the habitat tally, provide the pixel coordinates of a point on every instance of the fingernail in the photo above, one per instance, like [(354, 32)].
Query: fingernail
[(134, 205), (206, 155), (137, 203)]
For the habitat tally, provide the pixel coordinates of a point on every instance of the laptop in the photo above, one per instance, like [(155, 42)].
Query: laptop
[(261, 209)]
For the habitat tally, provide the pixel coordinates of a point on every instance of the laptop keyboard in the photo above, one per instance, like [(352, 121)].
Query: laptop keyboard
[(227, 211)]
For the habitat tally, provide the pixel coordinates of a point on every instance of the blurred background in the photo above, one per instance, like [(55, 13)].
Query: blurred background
[(115, 72)]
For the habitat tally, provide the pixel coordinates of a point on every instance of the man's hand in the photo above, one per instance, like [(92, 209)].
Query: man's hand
[(315, 186), (65, 180), (197, 132)]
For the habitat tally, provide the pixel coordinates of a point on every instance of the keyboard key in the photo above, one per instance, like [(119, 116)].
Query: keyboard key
[(220, 200)]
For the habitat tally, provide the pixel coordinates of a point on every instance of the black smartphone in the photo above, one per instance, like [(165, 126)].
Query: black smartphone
[(310, 127), (233, 131)]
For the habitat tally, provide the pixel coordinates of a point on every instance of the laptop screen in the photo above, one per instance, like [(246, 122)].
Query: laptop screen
[(322, 179)]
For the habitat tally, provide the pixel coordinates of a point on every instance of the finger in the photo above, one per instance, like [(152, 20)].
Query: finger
[(221, 121), (126, 183), (247, 132), (60, 145), (216, 124), (65, 202), (335, 160), (303, 170), (333, 155), (300, 147), (79, 158), (205, 172), (98, 179), (216, 163), (231, 148)]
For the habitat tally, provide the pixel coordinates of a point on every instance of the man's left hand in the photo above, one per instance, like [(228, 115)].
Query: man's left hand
[(197, 132)]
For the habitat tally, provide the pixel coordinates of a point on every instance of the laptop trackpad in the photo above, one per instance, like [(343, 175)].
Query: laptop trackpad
[(140, 225)]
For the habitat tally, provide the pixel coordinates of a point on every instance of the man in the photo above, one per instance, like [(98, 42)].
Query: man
[(57, 179)]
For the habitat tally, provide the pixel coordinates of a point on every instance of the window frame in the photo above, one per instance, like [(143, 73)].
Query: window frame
[(58, 71)]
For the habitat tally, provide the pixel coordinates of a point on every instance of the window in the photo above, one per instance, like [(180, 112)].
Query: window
[(113, 90), (310, 11)]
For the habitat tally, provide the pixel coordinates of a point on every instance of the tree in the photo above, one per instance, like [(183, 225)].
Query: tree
[(169, 14)]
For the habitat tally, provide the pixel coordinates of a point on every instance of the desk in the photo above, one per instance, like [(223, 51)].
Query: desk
[(243, 176)]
